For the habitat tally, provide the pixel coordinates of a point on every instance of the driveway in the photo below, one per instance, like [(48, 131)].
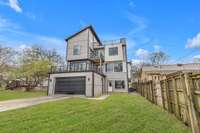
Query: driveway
[(20, 103)]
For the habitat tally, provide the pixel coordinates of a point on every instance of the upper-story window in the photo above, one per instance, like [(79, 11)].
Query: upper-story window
[(114, 67), (113, 51), (77, 50), (118, 67)]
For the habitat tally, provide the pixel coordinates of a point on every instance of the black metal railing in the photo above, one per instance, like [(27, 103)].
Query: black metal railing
[(77, 68), (96, 55)]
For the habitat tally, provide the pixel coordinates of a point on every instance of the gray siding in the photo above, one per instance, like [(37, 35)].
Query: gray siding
[(88, 78), (89, 82), (98, 84), (118, 76), (82, 40)]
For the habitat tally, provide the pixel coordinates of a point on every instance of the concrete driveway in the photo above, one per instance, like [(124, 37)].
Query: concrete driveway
[(20, 103)]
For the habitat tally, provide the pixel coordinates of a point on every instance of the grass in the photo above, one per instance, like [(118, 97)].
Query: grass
[(10, 95), (120, 113)]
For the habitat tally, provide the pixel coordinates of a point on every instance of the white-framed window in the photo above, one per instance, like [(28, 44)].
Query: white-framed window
[(119, 84), (113, 51), (109, 67), (114, 67), (77, 50), (118, 67)]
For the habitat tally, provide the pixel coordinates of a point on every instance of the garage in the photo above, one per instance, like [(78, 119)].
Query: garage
[(70, 85)]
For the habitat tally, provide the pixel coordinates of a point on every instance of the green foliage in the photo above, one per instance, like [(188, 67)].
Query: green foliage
[(120, 113)]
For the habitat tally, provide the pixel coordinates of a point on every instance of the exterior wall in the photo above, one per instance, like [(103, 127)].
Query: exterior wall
[(149, 72), (98, 85), (117, 76), (82, 40), (118, 57), (88, 79), (85, 39), (129, 71)]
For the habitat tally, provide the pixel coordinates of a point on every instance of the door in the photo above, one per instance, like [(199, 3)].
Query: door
[(70, 85)]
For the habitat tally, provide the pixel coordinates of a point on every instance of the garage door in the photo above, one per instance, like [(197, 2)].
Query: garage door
[(70, 85)]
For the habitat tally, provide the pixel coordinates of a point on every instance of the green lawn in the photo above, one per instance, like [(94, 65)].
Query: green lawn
[(10, 95), (120, 113)]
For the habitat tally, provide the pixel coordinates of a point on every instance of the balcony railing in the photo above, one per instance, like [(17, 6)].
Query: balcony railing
[(96, 55), (76, 68)]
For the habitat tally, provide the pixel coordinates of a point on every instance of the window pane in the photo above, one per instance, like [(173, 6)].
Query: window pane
[(118, 67), (119, 84), (76, 50), (109, 67), (113, 51)]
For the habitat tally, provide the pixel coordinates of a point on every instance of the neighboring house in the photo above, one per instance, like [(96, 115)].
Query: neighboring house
[(159, 72), (93, 67)]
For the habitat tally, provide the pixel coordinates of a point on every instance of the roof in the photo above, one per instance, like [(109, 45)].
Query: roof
[(88, 27), (172, 67)]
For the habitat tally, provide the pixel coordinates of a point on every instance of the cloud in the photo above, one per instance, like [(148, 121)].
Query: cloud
[(31, 15), (156, 47), (136, 61), (193, 42), (131, 4), (196, 58), (14, 4), (139, 23), (142, 53), (5, 24), (17, 38)]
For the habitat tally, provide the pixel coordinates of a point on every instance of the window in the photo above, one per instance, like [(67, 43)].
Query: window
[(109, 67), (119, 84), (114, 67), (113, 51), (118, 67), (77, 50)]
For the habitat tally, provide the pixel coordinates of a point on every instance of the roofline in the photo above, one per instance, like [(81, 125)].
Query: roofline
[(87, 27), (172, 64)]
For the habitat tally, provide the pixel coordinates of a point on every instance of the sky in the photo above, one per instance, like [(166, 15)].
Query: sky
[(172, 26)]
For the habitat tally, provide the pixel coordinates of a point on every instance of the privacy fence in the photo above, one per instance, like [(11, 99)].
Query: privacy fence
[(179, 94)]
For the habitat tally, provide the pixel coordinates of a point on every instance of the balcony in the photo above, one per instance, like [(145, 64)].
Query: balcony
[(97, 56), (76, 68)]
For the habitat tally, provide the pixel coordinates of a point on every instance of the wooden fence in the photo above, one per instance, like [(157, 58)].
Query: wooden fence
[(180, 96)]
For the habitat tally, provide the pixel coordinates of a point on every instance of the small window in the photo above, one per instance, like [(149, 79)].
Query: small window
[(113, 51), (77, 50), (118, 67), (119, 84), (109, 67)]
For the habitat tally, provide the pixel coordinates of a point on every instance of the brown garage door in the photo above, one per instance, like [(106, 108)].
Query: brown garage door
[(70, 85)]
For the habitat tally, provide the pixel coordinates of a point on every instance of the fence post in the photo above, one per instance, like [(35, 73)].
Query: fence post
[(167, 94), (190, 105), (176, 98), (162, 94)]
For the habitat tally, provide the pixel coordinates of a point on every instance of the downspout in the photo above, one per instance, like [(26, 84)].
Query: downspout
[(92, 84), (126, 65)]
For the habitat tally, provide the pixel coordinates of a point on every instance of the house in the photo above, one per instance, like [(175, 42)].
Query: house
[(93, 67), (159, 72)]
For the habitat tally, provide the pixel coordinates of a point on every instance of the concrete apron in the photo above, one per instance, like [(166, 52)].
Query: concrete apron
[(21, 103)]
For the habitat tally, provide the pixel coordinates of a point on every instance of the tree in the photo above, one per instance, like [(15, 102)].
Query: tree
[(6, 56), (37, 53), (158, 57)]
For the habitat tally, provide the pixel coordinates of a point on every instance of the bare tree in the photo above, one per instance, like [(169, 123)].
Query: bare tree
[(158, 57), (6, 56), (38, 53)]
